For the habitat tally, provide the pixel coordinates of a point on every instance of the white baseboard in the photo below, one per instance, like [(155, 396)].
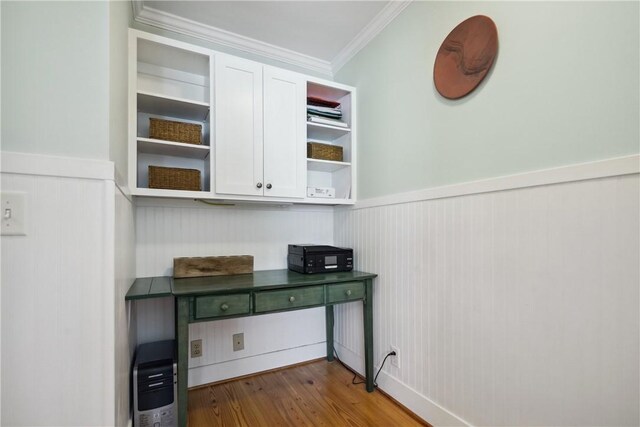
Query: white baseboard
[(350, 358), (417, 403), (254, 364)]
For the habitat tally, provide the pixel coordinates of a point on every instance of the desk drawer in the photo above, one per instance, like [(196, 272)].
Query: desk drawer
[(345, 292), (289, 299), (222, 305)]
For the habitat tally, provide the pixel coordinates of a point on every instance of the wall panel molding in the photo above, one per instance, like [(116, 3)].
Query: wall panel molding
[(579, 172), (55, 166)]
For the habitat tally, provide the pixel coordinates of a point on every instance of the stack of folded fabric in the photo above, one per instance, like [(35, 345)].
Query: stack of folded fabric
[(324, 111)]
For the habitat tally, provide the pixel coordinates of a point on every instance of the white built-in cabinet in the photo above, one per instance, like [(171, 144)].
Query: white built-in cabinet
[(260, 122), (254, 121)]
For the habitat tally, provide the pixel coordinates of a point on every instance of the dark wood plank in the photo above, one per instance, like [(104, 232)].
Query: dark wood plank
[(319, 393), (212, 266)]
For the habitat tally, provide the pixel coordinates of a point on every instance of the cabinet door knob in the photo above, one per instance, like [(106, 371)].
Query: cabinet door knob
[(259, 185), (268, 186), (292, 299), (224, 307), (348, 292)]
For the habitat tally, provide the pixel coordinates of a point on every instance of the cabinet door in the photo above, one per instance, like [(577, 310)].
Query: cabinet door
[(284, 133), (238, 126)]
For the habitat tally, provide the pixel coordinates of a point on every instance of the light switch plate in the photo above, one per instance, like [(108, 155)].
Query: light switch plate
[(13, 214)]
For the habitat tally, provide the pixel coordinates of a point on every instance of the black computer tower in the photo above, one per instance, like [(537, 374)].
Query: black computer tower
[(155, 385)]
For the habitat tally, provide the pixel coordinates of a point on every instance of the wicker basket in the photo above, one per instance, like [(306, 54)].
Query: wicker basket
[(168, 130), (315, 150), (174, 178)]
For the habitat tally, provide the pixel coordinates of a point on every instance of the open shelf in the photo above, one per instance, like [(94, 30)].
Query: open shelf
[(325, 132), (325, 165), (178, 194), (322, 201), (172, 107), (169, 148)]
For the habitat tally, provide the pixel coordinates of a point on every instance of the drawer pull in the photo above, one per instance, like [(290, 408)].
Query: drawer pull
[(348, 292), (292, 299), (224, 307)]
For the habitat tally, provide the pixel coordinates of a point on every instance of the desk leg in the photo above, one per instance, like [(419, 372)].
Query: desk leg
[(368, 334), (182, 339), (329, 324)]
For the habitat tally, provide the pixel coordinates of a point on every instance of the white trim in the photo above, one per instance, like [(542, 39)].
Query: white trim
[(124, 190), (136, 6), (254, 364), (171, 22), (108, 326), (46, 165), (166, 202), (578, 172), (371, 30), (417, 403)]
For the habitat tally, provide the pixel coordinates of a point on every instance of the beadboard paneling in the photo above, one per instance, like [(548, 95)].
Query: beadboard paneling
[(508, 308), (58, 305), (163, 233), (125, 322)]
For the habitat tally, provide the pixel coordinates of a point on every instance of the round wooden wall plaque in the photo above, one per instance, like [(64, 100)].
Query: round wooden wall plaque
[(465, 57)]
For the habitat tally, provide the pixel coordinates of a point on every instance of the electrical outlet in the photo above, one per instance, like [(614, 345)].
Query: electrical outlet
[(196, 348), (395, 360), (238, 341)]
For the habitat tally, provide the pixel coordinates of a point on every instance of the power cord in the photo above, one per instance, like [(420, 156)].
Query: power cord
[(355, 374)]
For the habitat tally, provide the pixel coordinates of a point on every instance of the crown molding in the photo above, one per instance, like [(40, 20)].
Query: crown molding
[(377, 24), (168, 21), (137, 7)]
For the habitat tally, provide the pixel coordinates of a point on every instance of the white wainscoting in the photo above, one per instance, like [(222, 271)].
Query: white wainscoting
[(511, 307), (68, 334), (125, 322), (192, 229), (58, 304)]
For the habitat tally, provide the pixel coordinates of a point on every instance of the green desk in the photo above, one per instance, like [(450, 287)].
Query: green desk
[(204, 299)]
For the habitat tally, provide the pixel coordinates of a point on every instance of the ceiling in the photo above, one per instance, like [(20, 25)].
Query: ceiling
[(319, 35)]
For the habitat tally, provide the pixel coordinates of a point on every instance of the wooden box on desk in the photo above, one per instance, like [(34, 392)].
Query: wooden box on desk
[(212, 266)]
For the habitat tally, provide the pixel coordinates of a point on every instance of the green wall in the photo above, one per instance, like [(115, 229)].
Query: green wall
[(55, 78), (564, 89), (120, 17)]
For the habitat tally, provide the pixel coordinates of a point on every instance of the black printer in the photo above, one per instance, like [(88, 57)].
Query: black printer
[(308, 259)]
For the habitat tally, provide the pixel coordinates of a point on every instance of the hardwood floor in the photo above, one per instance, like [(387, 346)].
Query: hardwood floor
[(318, 393)]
